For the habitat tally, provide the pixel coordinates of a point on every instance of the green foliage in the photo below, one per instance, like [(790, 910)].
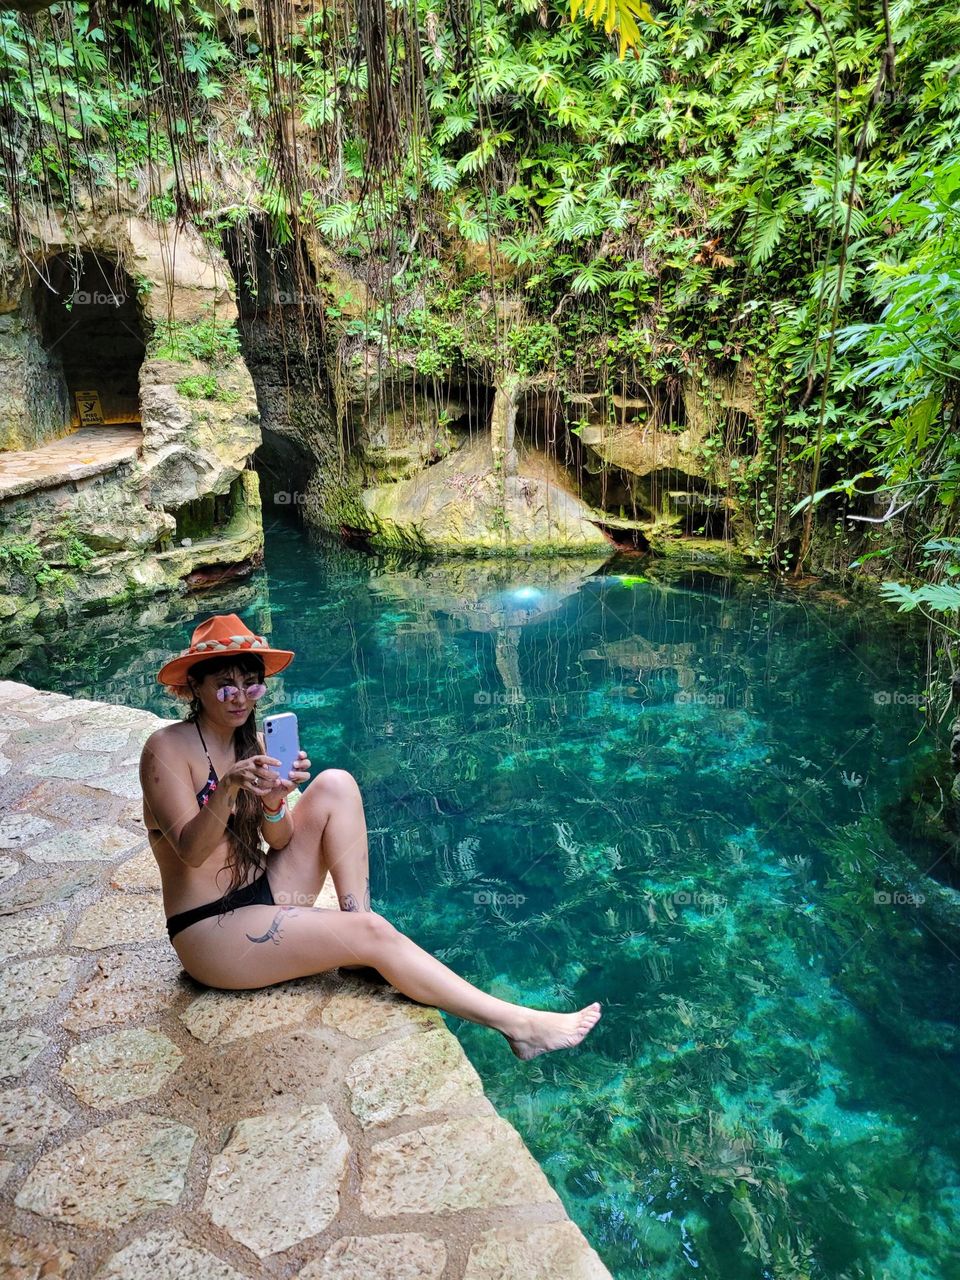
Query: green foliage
[(205, 386), (909, 367), (442, 343), (939, 597), (199, 387), (23, 555), (54, 581), (622, 16), (215, 341), (729, 196), (19, 553), (533, 346), (694, 197), (77, 554)]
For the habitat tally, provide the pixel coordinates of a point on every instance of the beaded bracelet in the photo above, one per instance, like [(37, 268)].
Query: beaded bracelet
[(277, 815)]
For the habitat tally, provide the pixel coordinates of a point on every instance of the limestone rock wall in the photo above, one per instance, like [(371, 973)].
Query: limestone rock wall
[(465, 505), (194, 445), (184, 276), (34, 404), (671, 473), (185, 501), (128, 547)]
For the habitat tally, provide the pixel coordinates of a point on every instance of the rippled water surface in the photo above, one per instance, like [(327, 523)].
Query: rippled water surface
[(689, 798)]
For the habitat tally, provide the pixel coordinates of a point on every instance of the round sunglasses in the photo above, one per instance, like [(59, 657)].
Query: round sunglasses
[(253, 691)]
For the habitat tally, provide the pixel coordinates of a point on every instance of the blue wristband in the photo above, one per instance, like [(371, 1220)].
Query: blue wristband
[(276, 816)]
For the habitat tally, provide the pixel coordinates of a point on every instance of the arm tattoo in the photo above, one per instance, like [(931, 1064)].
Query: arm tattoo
[(273, 933)]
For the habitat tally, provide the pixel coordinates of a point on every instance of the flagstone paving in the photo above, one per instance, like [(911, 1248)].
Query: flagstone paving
[(155, 1129), (85, 451)]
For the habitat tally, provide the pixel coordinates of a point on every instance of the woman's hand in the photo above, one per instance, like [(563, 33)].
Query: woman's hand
[(299, 773), (257, 774)]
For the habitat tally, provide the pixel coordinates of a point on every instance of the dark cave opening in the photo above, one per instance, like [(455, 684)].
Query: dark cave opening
[(91, 325)]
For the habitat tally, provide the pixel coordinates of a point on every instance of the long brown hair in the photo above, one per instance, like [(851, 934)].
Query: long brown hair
[(243, 827)]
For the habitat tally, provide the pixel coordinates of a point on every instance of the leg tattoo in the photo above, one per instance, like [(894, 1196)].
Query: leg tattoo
[(349, 900), (273, 933)]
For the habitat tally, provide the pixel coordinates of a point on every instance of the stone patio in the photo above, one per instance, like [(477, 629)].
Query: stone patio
[(324, 1129), (84, 452)]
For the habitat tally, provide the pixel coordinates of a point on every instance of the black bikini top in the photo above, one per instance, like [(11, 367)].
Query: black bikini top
[(203, 795)]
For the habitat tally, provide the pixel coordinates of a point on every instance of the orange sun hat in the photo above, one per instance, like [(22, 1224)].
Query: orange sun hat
[(220, 635)]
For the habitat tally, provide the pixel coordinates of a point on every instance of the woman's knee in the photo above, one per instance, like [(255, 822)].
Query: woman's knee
[(337, 782), (375, 931), (324, 794)]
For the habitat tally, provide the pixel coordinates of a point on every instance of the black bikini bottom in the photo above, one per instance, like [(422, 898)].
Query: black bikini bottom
[(249, 895)]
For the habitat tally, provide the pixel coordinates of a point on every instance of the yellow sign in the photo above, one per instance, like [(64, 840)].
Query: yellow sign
[(88, 408)]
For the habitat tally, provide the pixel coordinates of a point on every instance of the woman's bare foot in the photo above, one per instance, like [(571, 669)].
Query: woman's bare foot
[(541, 1031)]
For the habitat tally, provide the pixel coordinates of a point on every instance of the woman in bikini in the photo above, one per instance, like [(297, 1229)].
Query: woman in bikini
[(212, 796)]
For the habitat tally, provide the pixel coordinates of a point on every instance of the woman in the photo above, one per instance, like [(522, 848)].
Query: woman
[(211, 793)]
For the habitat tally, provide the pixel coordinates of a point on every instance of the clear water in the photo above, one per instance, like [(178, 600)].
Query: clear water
[(680, 798)]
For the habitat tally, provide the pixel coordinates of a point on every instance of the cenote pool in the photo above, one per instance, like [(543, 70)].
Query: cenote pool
[(685, 798)]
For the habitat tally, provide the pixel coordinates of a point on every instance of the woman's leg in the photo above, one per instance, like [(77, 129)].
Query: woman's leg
[(260, 946), (329, 834)]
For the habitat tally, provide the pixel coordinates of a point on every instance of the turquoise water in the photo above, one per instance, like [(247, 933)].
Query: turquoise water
[(679, 797)]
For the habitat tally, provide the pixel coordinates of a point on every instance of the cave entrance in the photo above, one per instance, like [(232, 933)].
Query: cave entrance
[(91, 327)]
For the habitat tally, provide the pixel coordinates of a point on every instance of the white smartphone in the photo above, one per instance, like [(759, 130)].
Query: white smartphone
[(282, 741)]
